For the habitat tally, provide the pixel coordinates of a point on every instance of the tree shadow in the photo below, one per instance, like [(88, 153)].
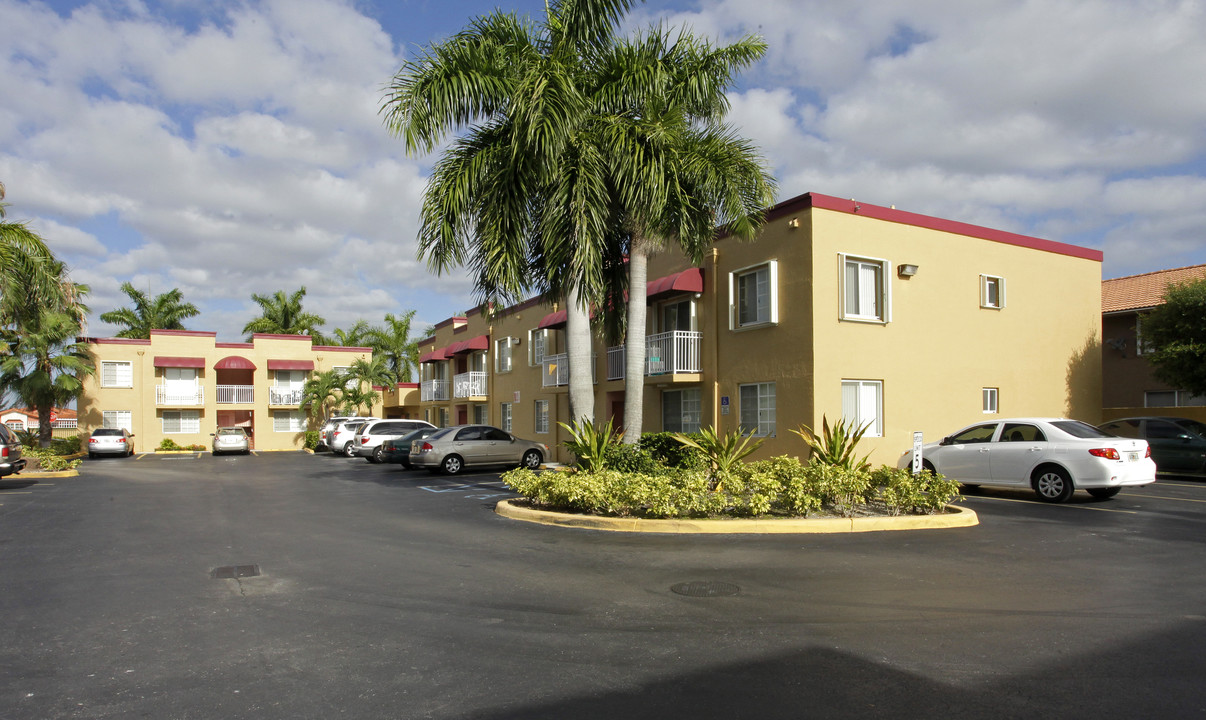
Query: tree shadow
[(1082, 399)]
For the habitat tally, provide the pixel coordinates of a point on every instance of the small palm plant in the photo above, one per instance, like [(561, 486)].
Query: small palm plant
[(590, 443), (835, 445), (722, 451)]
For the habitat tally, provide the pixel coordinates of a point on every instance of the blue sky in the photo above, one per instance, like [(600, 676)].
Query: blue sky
[(227, 148)]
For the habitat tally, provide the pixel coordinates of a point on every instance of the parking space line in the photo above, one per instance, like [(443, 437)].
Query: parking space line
[(1058, 505), (1163, 497)]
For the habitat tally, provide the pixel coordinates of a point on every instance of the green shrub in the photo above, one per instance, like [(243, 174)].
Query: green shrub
[(169, 444), (589, 444), (311, 439), (631, 459), (795, 495), (840, 489), (835, 445), (723, 452), (47, 459), (664, 448), (901, 491), (69, 445)]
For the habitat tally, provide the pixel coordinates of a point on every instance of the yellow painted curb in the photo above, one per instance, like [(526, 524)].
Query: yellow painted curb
[(44, 474), (955, 517)]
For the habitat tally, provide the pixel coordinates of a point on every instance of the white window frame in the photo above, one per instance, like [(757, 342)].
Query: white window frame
[(541, 420), (990, 400), (503, 355), (690, 410), (480, 414), (343, 371), (504, 419), (441, 417), (187, 422), (117, 380), (856, 396), (882, 295), (118, 419), (288, 421), (537, 347), (986, 283), (772, 309), (1141, 345), (763, 422)]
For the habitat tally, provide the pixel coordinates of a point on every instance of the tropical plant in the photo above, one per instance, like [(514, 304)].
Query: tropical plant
[(283, 315), (32, 277), (394, 344), (355, 336), (722, 451), (1174, 337), (322, 393), (590, 444), (163, 312), (358, 396), (835, 445), (45, 364), (371, 371)]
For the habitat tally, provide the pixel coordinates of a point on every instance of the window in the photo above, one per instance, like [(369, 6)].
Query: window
[(505, 416), (502, 355), (181, 421), (977, 434), (681, 410), (1018, 432), (117, 374), (344, 371), (753, 296), (1172, 398), (758, 409), (479, 415), (118, 419), (288, 421), (542, 416), (865, 290), (862, 405), (1142, 347), (990, 400), (992, 292), (441, 417), (536, 346)]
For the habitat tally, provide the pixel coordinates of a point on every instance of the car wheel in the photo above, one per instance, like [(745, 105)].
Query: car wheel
[(1052, 484), (1104, 493), (531, 459), (452, 464), (348, 450), (378, 454)]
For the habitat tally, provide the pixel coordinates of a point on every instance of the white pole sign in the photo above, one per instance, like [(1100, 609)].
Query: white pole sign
[(917, 452)]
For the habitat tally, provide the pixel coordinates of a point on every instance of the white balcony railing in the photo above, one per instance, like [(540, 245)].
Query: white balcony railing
[(433, 391), (227, 394), (284, 396), (668, 352), (556, 370), (469, 384), (173, 396)]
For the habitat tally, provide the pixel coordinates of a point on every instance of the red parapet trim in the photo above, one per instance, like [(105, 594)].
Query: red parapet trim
[(115, 341), (185, 333), (273, 336), (240, 346), (342, 348), (857, 207), (407, 386)]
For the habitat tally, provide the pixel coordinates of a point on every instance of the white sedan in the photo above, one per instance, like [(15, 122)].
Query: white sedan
[(1051, 455)]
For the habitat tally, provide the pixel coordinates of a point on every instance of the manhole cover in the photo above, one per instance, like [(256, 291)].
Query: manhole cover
[(235, 571), (705, 589)]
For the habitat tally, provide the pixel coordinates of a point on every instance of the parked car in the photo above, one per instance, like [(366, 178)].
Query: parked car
[(10, 452), (453, 449), (1178, 444), (231, 439), (327, 431), (1054, 456), (397, 449), (111, 441), (368, 438), (344, 435)]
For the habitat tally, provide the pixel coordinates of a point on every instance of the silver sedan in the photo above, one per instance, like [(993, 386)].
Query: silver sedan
[(453, 449), (111, 441), (231, 440)]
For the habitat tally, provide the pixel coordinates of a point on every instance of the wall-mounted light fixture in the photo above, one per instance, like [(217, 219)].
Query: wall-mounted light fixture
[(793, 223), (906, 270)]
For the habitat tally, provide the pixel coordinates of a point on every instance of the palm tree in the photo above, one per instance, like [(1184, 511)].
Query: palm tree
[(370, 372), (358, 396), (322, 393), (283, 315), (32, 277), (679, 170), (394, 344), (164, 312), (354, 336), (45, 364), (522, 198)]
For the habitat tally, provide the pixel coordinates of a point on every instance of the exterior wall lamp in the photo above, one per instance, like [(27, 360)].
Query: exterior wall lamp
[(906, 270)]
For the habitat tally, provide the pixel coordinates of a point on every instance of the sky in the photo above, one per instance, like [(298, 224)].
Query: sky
[(230, 147)]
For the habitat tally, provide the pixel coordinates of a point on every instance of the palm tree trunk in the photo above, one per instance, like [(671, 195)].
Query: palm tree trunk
[(634, 343), (578, 348)]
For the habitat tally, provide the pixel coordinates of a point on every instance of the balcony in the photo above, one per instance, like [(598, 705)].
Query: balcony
[(235, 394), (666, 353), (469, 384), (556, 370), (176, 396), (287, 396), (433, 391)]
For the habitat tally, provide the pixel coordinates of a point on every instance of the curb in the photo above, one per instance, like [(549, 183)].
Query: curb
[(43, 474), (955, 518)]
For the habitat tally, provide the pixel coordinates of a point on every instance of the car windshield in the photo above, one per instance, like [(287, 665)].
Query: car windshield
[(106, 432), (1194, 425), (1078, 429)]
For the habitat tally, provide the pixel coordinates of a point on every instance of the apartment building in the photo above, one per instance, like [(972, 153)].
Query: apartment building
[(895, 320), (1129, 387), (182, 385)]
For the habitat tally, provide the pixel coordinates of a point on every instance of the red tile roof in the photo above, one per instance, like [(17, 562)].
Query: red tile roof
[(1137, 292)]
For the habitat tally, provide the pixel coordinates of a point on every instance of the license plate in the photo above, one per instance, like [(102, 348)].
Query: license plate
[(1132, 457)]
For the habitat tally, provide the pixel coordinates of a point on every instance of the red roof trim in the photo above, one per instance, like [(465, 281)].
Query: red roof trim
[(234, 362), (185, 333), (117, 341), (408, 386), (168, 361), (239, 345), (342, 348), (290, 364), (271, 336)]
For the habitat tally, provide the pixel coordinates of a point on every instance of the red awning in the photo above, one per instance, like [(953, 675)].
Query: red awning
[(290, 364), (433, 356), (234, 362), (481, 342), (553, 320), (179, 362), (687, 281)]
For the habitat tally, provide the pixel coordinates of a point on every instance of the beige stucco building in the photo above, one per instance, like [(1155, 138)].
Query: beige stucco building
[(184, 384), (840, 308)]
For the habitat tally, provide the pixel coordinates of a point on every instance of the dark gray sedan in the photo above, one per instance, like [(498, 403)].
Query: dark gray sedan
[(453, 449)]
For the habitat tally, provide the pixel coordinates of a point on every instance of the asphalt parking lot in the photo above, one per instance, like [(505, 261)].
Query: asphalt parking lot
[(286, 585)]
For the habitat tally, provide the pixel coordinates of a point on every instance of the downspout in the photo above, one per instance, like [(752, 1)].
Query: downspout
[(714, 256)]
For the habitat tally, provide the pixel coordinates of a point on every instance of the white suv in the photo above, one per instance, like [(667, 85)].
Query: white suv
[(344, 433), (328, 429), (368, 439)]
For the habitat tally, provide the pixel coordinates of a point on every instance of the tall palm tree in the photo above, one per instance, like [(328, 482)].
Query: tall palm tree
[(163, 312), (370, 372), (322, 393), (394, 344), (679, 170), (32, 277), (45, 364), (354, 336), (521, 198), (283, 315)]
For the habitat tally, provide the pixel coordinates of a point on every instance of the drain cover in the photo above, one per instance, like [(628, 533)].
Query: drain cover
[(235, 571), (705, 589)]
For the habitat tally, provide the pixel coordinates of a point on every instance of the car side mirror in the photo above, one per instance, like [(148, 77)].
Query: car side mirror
[(945, 441)]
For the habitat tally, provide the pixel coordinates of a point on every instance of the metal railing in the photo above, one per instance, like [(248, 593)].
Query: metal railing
[(284, 396), (227, 394), (433, 390), (179, 396), (678, 351), (469, 384)]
